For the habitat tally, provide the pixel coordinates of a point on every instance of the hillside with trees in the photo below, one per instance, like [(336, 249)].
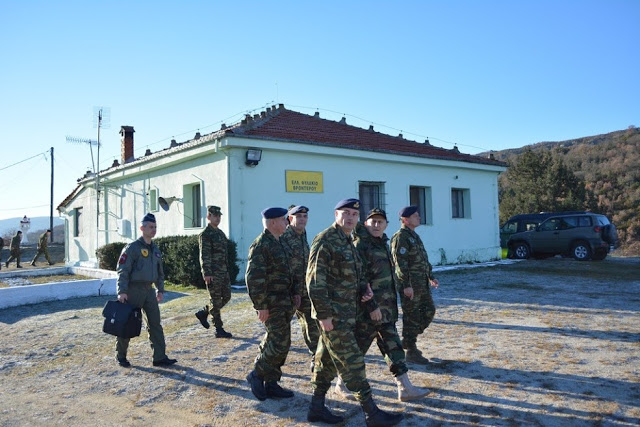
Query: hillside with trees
[(597, 173)]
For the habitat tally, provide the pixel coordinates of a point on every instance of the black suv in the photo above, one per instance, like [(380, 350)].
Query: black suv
[(582, 236), (526, 222)]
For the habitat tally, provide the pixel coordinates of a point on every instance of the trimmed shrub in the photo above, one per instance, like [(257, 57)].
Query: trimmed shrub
[(109, 254), (181, 256)]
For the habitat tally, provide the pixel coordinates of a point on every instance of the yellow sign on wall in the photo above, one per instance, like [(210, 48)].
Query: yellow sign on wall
[(303, 182)]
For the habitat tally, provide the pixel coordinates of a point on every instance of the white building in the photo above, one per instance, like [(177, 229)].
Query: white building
[(279, 158)]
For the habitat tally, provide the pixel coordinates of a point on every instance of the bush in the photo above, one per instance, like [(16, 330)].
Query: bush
[(181, 257), (109, 254)]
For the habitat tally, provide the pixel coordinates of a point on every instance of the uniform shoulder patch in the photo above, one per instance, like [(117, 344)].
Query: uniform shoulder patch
[(123, 259), (403, 250)]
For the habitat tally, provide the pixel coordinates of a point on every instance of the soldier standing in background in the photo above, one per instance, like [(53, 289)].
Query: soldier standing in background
[(336, 286), (42, 248), (14, 249), (295, 239), (139, 268), (271, 289), (214, 262), (413, 271)]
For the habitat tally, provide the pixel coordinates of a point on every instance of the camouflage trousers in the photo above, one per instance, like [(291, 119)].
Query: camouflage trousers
[(41, 251), (14, 254), (144, 296), (219, 296), (388, 341), (308, 325), (338, 353), (274, 347), (417, 314)]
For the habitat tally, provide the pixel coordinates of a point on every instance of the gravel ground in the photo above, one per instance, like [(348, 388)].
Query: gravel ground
[(540, 342)]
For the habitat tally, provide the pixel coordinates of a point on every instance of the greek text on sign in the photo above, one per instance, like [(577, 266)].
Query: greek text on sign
[(303, 182)]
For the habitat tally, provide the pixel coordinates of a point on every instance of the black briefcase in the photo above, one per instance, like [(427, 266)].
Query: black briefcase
[(121, 319)]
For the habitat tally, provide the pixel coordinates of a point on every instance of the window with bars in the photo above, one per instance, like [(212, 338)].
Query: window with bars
[(460, 204), (371, 195), (421, 197)]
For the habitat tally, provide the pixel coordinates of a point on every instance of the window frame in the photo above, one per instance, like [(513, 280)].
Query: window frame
[(424, 202), (365, 204)]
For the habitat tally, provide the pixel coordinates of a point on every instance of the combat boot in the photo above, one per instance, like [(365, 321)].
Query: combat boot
[(18, 266), (415, 356), (407, 391), (257, 385), (202, 317), (341, 390), (221, 333), (376, 417), (32, 263), (318, 412), (273, 390)]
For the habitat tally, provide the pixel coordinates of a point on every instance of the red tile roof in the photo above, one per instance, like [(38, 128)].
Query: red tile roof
[(287, 125)]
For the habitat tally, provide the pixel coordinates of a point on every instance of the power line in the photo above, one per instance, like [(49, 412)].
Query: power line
[(22, 161)]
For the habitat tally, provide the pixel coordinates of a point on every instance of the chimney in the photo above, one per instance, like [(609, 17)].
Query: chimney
[(126, 144)]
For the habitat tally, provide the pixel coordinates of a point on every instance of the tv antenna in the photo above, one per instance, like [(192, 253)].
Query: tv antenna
[(90, 142)]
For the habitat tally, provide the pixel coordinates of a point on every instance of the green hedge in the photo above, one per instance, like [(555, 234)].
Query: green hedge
[(181, 259)]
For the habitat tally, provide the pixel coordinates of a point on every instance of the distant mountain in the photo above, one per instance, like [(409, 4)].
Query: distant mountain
[(38, 223), (609, 164)]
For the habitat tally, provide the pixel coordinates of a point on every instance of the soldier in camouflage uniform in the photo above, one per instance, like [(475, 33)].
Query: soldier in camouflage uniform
[(380, 325), (42, 248), (271, 289), (214, 246), (413, 271), (337, 286), (295, 240), (139, 268), (14, 249)]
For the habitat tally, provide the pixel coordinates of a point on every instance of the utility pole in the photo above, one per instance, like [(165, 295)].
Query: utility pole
[(51, 205)]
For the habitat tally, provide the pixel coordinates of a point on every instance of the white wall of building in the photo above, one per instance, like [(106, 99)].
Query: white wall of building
[(242, 192)]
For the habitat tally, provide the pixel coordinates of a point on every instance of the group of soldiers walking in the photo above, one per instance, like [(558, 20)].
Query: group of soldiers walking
[(343, 292), (15, 253)]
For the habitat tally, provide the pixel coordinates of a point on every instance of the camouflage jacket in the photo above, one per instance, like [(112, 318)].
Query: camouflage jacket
[(298, 252), (214, 246), (15, 242), (379, 271), (335, 280), (268, 275), (42, 242), (410, 258), (140, 263)]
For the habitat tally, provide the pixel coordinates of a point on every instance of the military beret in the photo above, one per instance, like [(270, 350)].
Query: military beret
[(298, 209), (378, 212), (407, 211), (149, 218), (348, 203), (270, 213), (214, 210)]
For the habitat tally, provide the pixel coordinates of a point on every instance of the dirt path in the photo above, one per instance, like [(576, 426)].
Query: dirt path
[(553, 342)]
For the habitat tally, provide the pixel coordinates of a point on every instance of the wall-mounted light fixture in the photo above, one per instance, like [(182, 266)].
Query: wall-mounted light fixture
[(253, 156)]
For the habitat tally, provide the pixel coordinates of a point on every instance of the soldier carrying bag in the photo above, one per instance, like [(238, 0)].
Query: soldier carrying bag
[(121, 319)]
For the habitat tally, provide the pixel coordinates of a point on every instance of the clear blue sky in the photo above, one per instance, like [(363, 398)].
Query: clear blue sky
[(485, 75)]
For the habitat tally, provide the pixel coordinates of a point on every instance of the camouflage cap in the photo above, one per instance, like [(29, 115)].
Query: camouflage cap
[(214, 210), (377, 212)]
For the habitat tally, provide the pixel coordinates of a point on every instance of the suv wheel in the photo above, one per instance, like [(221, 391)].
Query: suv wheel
[(581, 251), (521, 250)]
